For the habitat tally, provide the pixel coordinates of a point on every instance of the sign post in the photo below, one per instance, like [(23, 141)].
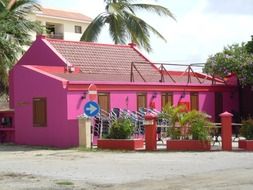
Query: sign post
[(92, 92)]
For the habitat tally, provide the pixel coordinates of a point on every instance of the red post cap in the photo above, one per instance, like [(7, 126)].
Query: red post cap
[(150, 116), (226, 114)]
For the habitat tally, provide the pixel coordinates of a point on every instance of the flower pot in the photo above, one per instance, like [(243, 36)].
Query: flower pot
[(120, 144), (246, 144), (188, 145)]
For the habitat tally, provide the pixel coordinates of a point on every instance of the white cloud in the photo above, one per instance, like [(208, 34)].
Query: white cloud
[(198, 34), (240, 7)]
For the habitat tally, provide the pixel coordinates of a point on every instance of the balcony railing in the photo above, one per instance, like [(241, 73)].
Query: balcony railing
[(56, 36)]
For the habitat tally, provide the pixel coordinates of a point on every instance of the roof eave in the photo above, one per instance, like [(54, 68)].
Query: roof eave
[(63, 18)]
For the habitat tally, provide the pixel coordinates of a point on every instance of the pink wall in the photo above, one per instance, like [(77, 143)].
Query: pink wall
[(75, 104), (157, 99), (207, 103), (118, 100), (180, 97), (60, 131)]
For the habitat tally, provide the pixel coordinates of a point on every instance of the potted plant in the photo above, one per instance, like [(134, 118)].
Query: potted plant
[(246, 131), (189, 130), (119, 136)]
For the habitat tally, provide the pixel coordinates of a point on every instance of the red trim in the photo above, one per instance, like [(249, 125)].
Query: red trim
[(120, 144), (55, 69), (160, 88), (188, 145), (246, 144), (87, 43)]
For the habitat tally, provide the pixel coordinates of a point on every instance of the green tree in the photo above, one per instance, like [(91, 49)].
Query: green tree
[(249, 45), (233, 59), (124, 25), (15, 28)]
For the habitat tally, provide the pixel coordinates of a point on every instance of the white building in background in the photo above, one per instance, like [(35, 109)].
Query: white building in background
[(61, 24)]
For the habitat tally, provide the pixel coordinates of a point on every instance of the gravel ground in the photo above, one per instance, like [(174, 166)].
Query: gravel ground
[(24, 167)]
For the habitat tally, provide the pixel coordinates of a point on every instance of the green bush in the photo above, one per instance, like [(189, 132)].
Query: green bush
[(186, 125), (122, 128), (199, 125), (247, 129)]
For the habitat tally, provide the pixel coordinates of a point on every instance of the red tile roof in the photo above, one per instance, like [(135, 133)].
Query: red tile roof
[(64, 14), (101, 62)]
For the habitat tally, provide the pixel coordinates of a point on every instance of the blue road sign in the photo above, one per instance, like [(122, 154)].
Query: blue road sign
[(91, 109)]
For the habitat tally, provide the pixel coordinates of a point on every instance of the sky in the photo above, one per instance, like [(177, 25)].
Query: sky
[(202, 27)]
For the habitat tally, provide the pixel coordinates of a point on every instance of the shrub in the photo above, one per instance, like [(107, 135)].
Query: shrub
[(186, 125), (199, 125), (247, 129), (122, 128)]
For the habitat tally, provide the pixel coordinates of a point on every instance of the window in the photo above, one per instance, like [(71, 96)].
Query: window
[(78, 29), (141, 101), (167, 99), (194, 101), (39, 112), (104, 102)]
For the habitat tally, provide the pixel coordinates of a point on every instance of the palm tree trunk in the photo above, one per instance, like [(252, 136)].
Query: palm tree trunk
[(11, 2)]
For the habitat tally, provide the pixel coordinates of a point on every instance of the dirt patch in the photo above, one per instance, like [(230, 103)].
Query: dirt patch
[(25, 168)]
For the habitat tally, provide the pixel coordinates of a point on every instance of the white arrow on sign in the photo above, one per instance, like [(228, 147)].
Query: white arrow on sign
[(91, 109)]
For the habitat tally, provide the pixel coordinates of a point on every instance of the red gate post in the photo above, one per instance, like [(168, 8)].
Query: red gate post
[(226, 130), (150, 131)]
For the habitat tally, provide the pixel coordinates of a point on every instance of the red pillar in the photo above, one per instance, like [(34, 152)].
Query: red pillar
[(150, 131), (226, 131)]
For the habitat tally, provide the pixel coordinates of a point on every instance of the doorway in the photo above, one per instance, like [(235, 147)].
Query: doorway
[(218, 106), (104, 103)]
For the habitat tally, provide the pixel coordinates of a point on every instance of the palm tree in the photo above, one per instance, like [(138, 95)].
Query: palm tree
[(15, 28), (123, 23)]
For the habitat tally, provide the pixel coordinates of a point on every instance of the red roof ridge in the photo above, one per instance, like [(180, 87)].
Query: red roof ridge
[(95, 43), (141, 54)]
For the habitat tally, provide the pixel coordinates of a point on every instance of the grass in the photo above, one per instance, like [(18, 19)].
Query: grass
[(67, 183)]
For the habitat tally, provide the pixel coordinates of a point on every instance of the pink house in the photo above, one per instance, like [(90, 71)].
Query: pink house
[(48, 88)]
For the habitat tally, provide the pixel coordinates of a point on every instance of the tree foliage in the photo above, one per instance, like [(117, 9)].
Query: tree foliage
[(15, 28), (235, 59), (124, 25)]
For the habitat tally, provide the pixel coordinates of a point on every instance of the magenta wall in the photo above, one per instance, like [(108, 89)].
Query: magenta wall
[(75, 104), (35, 55), (180, 97), (60, 131), (207, 103), (118, 100)]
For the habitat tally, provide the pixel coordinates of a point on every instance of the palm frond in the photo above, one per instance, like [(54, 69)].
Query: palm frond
[(139, 31), (158, 9), (94, 28), (117, 29), (15, 28)]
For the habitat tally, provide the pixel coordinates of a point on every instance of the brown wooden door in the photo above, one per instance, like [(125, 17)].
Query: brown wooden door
[(218, 106), (194, 101), (104, 102), (141, 101), (39, 112), (167, 99)]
